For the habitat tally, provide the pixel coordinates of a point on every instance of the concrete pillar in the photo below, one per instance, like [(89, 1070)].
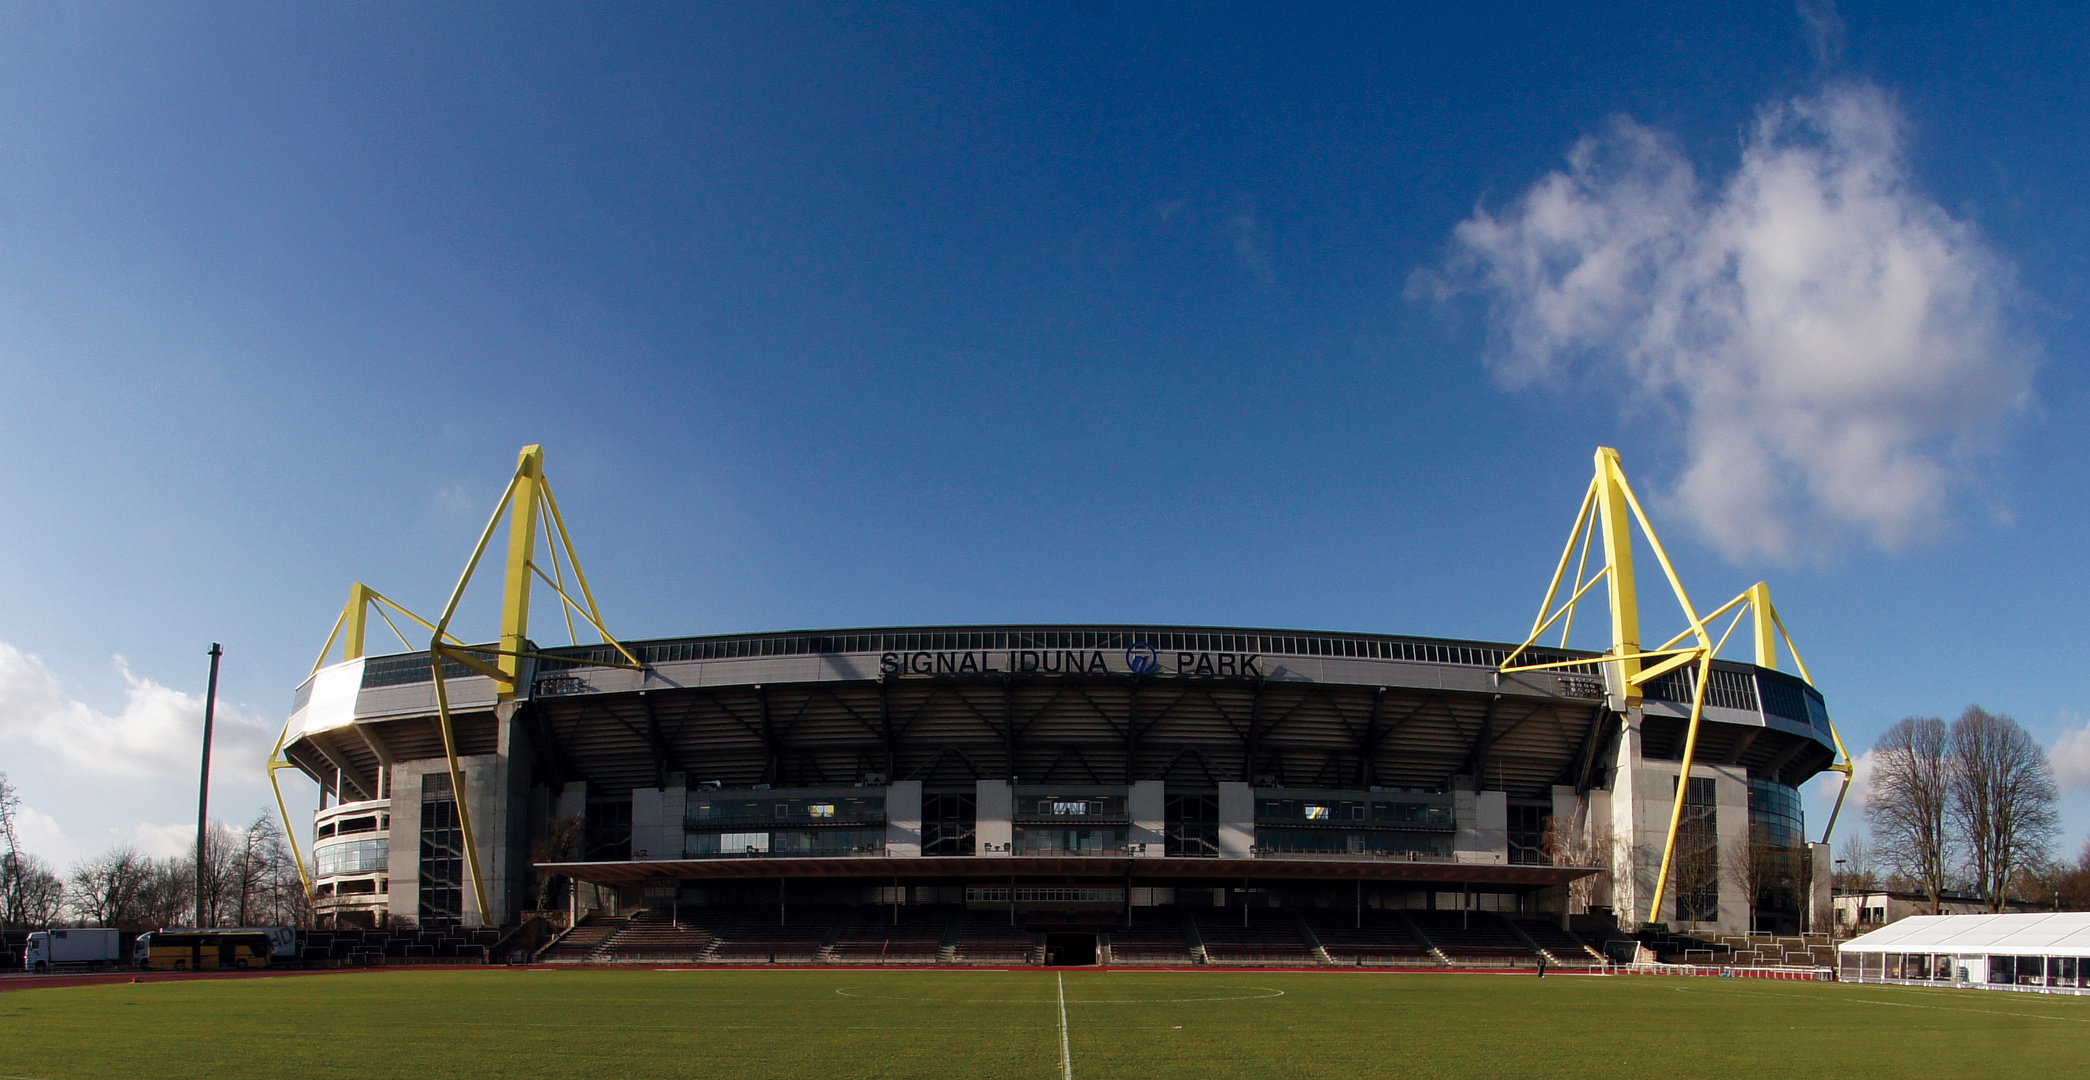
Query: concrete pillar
[(1147, 803), (1482, 820), (1236, 820), (995, 803), (403, 854), (903, 819), (1821, 905), (1632, 879), (656, 822), (645, 823), (1731, 796)]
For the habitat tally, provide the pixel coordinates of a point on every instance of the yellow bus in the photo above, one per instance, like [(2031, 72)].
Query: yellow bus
[(202, 950)]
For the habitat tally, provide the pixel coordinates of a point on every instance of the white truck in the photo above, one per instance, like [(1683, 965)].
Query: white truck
[(90, 948)]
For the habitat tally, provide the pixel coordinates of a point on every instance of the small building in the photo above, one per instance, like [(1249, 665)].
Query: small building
[(2046, 951), (1859, 912)]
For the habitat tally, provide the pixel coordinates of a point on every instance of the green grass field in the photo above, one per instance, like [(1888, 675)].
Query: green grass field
[(637, 1024)]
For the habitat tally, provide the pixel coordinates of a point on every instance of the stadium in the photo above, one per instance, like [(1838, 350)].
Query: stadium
[(1068, 795)]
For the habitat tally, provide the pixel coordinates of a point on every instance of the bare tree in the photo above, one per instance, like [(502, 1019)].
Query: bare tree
[(2071, 884), (560, 842), (169, 898), (1855, 872), (1761, 866), (30, 894), (1568, 843), (2002, 799), (270, 890), (112, 889), (1909, 802)]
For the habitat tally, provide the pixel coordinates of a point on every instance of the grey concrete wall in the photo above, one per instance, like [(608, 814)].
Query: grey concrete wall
[(1147, 802), (1821, 913), (995, 803), (403, 855), (649, 818), (903, 818), (1731, 792), (1482, 819), (1236, 820), (486, 777)]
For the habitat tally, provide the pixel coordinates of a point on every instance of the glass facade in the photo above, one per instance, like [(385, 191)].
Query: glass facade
[(1354, 811), (1049, 807), (442, 853), (608, 829), (1777, 856), (1191, 823), (1341, 842), (353, 857), (1528, 823), (812, 810), (950, 823), (1070, 841), (1697, 860)]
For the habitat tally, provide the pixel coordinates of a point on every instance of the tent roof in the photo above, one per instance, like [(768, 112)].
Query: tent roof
[(2049, 932)]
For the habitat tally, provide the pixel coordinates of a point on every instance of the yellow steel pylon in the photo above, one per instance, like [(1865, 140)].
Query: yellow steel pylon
[(1611, 509), (528, 504)]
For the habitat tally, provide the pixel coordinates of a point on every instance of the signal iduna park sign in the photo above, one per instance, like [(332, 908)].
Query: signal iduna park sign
[(1140, 659)]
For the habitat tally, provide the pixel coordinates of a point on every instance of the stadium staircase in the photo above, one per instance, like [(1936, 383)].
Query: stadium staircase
[(1370, 938), (757, 937), (1269, 937), (1474, 938), (1197, 942), (985, 937), (1164, 943), (1561, 948), (875, 936), (581, 944), (651, 936), (1765, 950), (1313, 940)]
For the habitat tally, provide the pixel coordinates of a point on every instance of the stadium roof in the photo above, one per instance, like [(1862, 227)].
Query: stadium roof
[(2046, 932)]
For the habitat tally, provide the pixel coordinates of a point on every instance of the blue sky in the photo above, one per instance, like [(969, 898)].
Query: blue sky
[(838, 315)]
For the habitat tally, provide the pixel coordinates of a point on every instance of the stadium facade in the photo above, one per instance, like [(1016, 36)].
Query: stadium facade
[(1068, 775)]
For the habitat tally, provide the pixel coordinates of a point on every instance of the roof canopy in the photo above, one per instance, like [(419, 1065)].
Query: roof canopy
[(2063, 932)]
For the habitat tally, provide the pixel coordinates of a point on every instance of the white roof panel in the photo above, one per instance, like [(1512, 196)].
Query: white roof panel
[(2056, 932)]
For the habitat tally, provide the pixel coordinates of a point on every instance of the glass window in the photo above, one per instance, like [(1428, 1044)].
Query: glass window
[(442, 856), (949, 824), (354, 857), (1192, 823), (1070, 806), (1069, 841)]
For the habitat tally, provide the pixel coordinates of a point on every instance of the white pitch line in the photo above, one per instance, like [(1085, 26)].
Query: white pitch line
[(1066, 1055)]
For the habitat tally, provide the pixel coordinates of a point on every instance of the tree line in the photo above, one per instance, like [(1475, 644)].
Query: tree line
[(249, 879), (1966, 807)]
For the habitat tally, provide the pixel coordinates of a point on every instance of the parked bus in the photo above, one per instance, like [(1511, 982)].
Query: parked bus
[(202, 950)]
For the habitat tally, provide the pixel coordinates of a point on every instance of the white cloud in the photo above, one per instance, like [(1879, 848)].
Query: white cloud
[(2071, 756), (1832, 347), (1824, 25), (158, 732), (164, 841), (37, 830)]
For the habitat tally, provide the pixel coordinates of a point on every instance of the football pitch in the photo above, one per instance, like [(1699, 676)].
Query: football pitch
[(830, 1023)]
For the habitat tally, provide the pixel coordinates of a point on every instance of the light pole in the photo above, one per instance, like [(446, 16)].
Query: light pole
[(210, 708)]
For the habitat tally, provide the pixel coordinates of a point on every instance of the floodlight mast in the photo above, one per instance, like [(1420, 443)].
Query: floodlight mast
[(1610, 507)]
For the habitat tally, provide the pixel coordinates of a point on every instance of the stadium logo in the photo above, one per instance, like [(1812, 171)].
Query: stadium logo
[(1141, 659)]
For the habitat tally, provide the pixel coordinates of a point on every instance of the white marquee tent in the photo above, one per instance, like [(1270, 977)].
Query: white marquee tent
[(2029, 951)]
